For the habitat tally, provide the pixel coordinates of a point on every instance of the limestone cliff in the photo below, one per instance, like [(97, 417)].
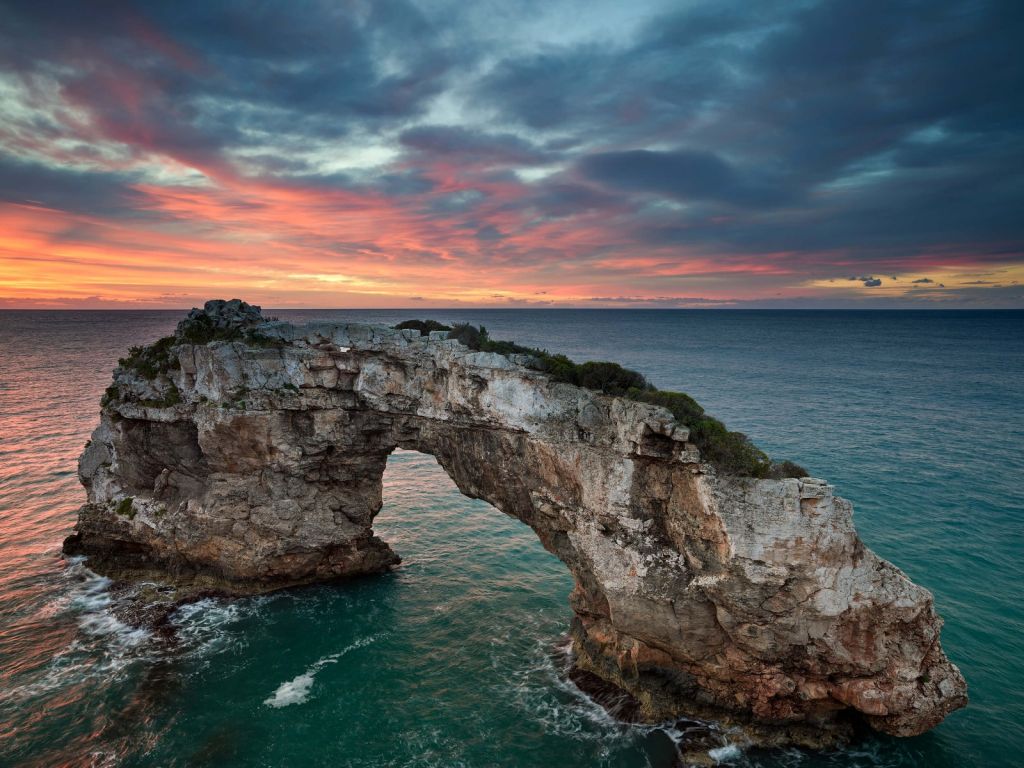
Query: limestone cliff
[(248, 455)]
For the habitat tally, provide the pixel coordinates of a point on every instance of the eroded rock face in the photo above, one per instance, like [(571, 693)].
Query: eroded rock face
[(752, 601)]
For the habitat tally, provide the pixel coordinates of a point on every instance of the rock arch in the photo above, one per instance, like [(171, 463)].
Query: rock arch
[(251, 458)]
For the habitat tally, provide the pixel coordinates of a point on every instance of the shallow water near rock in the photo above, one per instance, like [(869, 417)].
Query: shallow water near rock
[(455, 658)]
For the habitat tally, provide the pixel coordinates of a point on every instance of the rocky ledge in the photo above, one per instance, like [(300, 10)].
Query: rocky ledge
[(245, 455)]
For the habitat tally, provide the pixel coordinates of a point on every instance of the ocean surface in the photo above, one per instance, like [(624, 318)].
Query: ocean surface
[(457, 657)]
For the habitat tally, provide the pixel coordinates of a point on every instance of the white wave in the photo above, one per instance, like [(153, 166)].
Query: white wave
[(202, 626), (98, 621), (297, 690), (91, 600), (725, 754), (535, 689), (294, 691), (211, 626), (577, 715), (103, 647)]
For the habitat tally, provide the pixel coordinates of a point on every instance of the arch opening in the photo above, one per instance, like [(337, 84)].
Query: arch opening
[(457, 548)]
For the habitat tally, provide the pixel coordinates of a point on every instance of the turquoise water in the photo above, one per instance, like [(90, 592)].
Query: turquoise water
[(456, 657)]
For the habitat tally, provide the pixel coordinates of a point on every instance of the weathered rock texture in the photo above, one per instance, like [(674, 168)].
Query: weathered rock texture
[(747, 600)]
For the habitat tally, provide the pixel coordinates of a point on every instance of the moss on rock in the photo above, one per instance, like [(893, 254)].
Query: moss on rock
[(126, 507)]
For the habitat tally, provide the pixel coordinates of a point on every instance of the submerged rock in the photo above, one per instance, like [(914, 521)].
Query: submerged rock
[(751, 602)]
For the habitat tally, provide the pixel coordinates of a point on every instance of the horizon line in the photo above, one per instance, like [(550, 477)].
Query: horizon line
[(528, 309)]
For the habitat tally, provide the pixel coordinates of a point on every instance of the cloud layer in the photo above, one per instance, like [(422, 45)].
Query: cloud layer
[(394, 152)]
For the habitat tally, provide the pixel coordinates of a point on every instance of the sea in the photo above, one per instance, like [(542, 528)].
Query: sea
[(458, 658)]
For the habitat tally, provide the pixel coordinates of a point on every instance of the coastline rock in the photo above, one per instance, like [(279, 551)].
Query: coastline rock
[(253, 461)]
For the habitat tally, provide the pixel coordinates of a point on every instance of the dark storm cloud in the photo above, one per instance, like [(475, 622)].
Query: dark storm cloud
[(970, 208), (190, 79), (679, 64), (556, 199), (683, 175), (77, 192), (889, 121), (401, 184)]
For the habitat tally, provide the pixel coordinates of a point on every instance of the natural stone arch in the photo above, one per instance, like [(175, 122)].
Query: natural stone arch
[(256, 463)]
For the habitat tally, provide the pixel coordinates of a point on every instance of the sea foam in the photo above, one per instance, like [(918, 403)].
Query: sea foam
[(297, 690), (725, 754)]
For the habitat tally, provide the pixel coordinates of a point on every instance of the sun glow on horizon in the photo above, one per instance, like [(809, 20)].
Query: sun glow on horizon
[(416, 153)]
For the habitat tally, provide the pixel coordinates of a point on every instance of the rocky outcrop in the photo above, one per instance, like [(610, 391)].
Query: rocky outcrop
[(248, 455)]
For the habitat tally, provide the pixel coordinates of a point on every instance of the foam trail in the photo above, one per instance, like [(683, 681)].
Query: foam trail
[(297, 690)]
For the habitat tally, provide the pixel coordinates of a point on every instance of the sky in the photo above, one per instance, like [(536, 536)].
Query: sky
[(443, 153)]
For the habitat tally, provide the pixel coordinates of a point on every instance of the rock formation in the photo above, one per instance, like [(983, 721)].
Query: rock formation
[(248, 455)]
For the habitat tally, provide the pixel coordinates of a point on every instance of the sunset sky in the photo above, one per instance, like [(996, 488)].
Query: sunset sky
[(402, 154)]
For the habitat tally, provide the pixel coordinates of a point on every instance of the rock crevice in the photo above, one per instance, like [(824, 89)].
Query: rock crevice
[(250, 457)]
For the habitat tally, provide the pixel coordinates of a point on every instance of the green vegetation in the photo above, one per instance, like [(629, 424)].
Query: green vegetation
[(683, 407), (201, 330), (732, 452), (254, 338), (125, 507), (172, 397), (788, 468), (729, 452), (110, 395), (149, 362), (423, 326), (609, 378), (159, 358), (237, 399)]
